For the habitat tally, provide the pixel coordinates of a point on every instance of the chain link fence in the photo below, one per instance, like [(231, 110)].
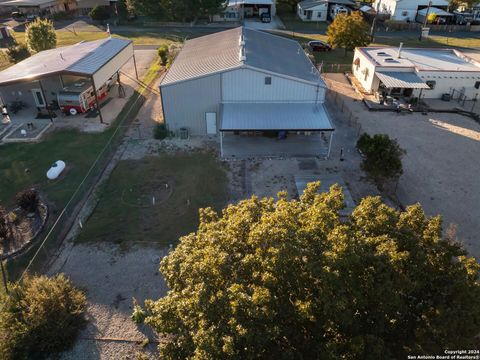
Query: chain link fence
[(337, 104)]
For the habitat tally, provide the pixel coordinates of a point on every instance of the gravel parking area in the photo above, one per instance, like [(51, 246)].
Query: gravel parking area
[(112, 277), (441, 167)]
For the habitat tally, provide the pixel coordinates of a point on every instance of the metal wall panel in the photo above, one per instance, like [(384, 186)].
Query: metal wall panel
[(185, 103), (249, 85), (110, 68)]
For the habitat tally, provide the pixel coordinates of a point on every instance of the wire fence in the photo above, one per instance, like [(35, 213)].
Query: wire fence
[(337, 104)]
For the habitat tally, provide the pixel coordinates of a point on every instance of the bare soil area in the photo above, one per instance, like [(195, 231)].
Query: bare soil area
[(441, 167)]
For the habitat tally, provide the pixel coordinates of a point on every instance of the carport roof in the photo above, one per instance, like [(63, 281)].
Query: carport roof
[(403, 80), (84, 58), (274, 116)]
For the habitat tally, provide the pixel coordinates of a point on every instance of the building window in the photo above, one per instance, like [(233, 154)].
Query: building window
[(431, 84), (319, 14), (404, 13), (304, 12), (477, 85), (268, 80)]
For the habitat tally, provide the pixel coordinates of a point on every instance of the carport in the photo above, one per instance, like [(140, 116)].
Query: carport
[(275, 129), (37, 80)]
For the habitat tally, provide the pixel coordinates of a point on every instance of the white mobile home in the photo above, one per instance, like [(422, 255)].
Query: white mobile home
[(322, 10), (243, 83), (413, 72)]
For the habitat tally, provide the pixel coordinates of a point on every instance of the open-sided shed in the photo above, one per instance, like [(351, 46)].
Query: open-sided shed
[(37, 80)]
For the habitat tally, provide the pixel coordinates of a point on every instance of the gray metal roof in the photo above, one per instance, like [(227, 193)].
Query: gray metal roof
[(84, 58), (274, 116), (396, 79), (221, 52), (308, 4)]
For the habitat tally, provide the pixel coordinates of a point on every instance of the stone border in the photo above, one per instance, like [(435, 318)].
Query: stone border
[(29, 243), (23, 140)]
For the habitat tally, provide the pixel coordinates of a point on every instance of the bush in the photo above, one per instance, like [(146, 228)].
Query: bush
[(17, 52), (160, 132), (99, 13), (383, 157), (163, 54), (28, 200), (40, 35), (42, 316)]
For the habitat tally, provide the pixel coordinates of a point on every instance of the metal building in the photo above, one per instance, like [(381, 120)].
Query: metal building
[(252, 89)]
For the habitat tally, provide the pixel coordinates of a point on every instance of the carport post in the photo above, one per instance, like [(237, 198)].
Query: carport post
[(330, 144), (221, 144), (135, 65), (96, 100), (45, 100)]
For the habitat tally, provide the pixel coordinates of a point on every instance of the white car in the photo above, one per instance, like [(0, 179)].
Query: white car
[(56, 169)]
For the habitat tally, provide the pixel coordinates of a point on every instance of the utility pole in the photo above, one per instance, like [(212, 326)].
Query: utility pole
[(374, 22), (425, 20)]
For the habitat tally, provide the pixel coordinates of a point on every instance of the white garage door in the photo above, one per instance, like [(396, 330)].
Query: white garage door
[(211, 119)]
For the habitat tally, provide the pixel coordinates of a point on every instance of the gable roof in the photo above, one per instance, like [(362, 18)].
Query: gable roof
[(308, 4), (84, 58), (222, 52)]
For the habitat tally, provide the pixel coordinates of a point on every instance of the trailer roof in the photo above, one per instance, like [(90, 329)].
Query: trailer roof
[(84, 59)]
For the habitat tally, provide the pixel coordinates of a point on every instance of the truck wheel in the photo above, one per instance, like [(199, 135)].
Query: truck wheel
[(73, 111)]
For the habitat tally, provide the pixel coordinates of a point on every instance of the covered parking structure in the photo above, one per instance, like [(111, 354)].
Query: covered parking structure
[(94, 65), (275, 129)]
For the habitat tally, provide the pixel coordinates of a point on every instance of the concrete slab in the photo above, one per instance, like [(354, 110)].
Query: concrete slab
[(243, 146), (326, 181)]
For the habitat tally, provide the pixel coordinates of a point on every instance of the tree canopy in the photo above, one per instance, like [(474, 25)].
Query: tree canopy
[(383, 157), (40, 35), (40, 317), (348, 31), (289, 279)]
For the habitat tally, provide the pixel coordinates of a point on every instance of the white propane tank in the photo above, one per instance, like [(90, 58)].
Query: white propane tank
[(56, 169)]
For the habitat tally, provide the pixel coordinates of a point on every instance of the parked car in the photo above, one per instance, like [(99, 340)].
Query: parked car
[(318, 45), (31, 17), (265, 17)]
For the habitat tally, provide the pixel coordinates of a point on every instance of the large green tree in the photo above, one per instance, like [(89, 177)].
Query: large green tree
[(40, 317), (348, 31), (40, 35), (289, 279)]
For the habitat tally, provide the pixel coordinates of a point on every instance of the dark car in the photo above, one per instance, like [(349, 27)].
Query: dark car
[(31, 17), (318, 45), (265, 17), (17, 15)]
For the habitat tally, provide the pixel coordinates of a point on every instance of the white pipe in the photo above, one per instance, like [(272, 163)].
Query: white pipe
[(330, 144)]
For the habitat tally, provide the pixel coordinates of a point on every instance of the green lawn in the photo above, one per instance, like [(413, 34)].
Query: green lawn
[(125, 213), (293, 22), (65, 37)]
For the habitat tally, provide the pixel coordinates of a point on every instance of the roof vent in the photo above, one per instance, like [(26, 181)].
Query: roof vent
[(241, 40), (242, 56), (391, 60), (382, 53)]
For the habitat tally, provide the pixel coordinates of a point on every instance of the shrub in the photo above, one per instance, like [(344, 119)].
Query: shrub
[(163, 54), (17, 52), (383, 157), (160, 132), (99, 13), (40, 35), (5, 225), (42, 316), (28, 200)]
